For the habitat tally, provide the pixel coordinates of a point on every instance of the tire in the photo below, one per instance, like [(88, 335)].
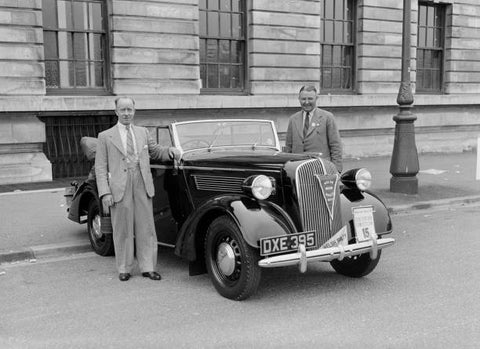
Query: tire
[(101, 243), (237, 277), (356, 266)]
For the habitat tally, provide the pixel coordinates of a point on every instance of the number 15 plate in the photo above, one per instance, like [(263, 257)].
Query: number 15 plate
[(364, 223)]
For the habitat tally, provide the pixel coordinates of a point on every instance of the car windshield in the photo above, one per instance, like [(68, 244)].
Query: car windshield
[(225, 133)]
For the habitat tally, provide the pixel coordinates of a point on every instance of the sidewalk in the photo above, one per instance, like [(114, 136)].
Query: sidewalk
[(34, 222)]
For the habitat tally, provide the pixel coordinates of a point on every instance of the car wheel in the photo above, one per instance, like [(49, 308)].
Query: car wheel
[(101, 243), (231, 263), (356, 266)]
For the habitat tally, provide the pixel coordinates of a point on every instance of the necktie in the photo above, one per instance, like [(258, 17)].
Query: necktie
[(130, 148), (306, 125)]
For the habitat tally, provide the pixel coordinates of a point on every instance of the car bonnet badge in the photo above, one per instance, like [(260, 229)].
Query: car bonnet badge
[(328, 183)]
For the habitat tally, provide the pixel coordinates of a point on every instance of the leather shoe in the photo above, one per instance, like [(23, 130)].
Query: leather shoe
[(153, 275), (124, 276)]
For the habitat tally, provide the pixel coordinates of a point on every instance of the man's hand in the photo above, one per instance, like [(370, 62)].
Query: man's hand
[(107, 201), (174, 153)]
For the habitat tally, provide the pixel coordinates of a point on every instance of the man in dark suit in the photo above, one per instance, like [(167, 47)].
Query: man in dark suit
[(313, 129), (125, 185)]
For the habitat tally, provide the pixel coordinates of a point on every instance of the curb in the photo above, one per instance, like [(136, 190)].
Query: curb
[(441, 203), (42, 251), (74, 247)]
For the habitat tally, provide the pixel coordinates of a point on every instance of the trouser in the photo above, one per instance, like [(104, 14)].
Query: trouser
[(132, 218)]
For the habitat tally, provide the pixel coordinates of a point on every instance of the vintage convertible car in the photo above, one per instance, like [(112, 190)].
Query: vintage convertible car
[(236, 204)]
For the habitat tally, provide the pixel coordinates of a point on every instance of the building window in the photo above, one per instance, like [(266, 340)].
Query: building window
[(74, 38), (337, 25), (430, 47), (222, 45)]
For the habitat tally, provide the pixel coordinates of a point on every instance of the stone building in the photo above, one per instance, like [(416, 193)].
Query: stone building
[(63, 62)]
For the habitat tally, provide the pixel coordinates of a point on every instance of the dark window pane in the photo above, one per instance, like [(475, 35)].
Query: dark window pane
[(213, 4), (224, 51), (225, 25), (212, 24), (438, 42), (212, 75), (225, 5), (339, 9), (347, 33), (327, 55), (212, 54), (49, 12), (328, 31), (68, 47), (237, 6), (349, 10), (81, 73), (50, 45), (237, 26), (237, 52), (98, 69), (79, 16), (51, 74), (429, 37), (421, 37), (203, 56), (236, 76), (79, 46), (422, 15), (338, 32), (97, 47), (203, 23), (71, 74), (326, 78), (97, 18), (328, 9), (224, 76), (203, 74)]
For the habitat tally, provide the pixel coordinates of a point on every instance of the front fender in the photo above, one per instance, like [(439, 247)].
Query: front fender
[(255, 219), (353, 198)]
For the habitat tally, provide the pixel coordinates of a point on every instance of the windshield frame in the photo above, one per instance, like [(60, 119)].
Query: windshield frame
[(176, 138)]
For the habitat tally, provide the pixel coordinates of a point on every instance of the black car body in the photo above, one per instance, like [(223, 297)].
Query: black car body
[(236, 204)]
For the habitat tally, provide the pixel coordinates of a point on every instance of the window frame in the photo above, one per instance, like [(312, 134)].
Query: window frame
[(353, 45), (244, 39), (441, 70), (104, 34)]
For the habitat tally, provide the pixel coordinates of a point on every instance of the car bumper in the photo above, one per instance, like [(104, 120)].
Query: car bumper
[(303, 257)]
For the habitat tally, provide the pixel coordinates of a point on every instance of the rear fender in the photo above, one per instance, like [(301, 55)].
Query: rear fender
[(255, 219), (353, 198), (85, 193)]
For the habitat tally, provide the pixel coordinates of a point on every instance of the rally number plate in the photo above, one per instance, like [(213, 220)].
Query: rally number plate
[(286, 243), (364, 223)]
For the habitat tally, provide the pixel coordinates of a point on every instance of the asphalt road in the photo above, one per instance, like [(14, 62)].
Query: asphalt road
[(423, 294)]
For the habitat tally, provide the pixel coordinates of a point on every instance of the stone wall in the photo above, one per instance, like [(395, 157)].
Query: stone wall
[(155, 47)]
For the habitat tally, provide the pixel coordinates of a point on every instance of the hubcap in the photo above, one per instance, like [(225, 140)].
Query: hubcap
[(226, 259), (97, 227)]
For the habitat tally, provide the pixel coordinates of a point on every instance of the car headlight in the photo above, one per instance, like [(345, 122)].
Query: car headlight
[(359, 178), (260, 187)]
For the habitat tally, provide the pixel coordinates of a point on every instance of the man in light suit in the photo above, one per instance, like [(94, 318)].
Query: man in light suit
[(314, 130), (125, 185)]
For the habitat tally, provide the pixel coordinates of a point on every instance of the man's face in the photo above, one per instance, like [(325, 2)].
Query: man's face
[(308, 100), (125, 111)]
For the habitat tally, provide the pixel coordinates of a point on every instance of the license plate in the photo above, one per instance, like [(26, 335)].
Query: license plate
[(364, 223), (286, 243)]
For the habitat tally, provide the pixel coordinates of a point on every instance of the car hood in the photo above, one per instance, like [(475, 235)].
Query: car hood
[(243, 159)]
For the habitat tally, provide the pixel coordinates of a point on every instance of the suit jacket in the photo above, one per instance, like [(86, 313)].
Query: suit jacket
[(322, 136), (111, 161)]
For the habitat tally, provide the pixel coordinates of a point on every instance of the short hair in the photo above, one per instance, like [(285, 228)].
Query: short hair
[(123, 97), (308, 88)]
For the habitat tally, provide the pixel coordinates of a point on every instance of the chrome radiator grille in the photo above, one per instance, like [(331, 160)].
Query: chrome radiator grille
[(218, 183), (313, 208)]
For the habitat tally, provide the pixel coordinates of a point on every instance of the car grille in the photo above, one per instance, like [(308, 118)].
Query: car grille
[(313, 208), (219, 183)]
